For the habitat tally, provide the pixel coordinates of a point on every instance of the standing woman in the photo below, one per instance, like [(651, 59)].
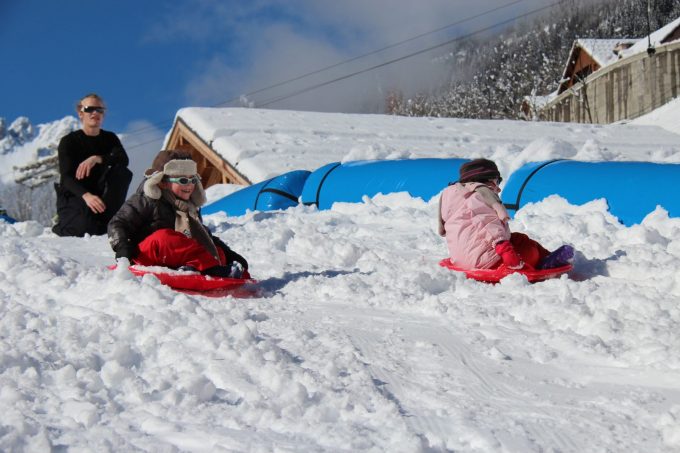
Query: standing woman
[(94, 175)]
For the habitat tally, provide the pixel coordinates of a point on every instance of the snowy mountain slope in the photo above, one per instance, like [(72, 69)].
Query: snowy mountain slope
[(23, 143), (358, 341), (27, 193)]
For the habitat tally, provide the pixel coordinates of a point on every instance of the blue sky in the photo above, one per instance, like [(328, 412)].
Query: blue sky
[(148, 59)]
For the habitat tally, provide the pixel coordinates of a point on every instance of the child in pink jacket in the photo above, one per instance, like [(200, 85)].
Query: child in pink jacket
[(475, 224)]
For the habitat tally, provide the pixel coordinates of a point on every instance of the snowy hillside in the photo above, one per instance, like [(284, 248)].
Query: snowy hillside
[(358, 340), (22, 143), (665, 116), (27, 193)]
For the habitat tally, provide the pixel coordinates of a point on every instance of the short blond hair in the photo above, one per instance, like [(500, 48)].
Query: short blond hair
[(79, 104)]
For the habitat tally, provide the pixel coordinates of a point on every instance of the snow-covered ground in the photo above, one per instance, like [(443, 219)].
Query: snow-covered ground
[(262, 144), (358, 340)]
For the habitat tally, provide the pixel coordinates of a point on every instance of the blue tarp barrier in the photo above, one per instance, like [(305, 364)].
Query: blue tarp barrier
[(280, 192), (632, 189), (351, 181)]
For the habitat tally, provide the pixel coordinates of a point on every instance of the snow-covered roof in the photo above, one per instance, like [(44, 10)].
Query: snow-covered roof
[(655, 38), (262, 144), (608, 51), (602, 50)]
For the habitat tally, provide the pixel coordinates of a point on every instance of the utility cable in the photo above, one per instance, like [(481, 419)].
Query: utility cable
[(335, 65), (405, 57), (389, 62)]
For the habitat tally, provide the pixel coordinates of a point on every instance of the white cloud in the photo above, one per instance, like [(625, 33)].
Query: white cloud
[(267, 42)]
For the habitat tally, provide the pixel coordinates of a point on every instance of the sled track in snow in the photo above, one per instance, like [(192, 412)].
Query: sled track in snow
[(471, 392)]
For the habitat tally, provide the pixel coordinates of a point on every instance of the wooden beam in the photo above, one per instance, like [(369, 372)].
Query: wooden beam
[(183, 137)]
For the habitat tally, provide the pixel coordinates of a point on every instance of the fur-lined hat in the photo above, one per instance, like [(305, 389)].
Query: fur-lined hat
[(172, 163)]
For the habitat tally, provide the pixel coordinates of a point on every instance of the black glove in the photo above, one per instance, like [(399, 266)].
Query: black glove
[(128, 251), (231, 255), (217, 271), (232, 271)]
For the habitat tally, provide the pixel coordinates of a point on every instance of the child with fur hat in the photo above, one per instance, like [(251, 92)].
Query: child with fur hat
[(160, 225), (475, 224)]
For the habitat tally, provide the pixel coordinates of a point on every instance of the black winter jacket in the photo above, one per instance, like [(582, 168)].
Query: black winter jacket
[(77, 146), (139, 217)]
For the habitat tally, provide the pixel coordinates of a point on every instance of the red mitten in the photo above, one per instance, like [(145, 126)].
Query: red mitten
[(507, 253)]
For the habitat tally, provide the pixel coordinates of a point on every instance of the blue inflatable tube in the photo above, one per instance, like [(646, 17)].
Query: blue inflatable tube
[(280, 192), (4, 217), (7, 219), (351, 181), (632, 189)]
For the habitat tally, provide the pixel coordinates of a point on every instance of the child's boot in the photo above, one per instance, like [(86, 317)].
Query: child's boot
[(560, 257)]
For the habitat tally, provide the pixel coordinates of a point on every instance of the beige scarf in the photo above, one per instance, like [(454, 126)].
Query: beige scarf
[(188, 223)]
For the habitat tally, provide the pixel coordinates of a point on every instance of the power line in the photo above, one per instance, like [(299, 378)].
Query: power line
[(335, 65), (395, 60), (646, 107), (405, 57), (413, 38)]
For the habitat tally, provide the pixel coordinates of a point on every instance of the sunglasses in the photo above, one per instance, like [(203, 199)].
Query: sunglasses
[(92, 109), (183, 180)]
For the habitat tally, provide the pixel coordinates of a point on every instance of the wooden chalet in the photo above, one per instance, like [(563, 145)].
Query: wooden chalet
[(609, 80), (590, 55), (212, 167)]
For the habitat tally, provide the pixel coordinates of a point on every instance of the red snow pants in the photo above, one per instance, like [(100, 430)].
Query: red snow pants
[(172, 249), (529, 250)]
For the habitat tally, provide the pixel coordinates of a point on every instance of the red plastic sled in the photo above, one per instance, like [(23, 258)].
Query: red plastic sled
[(496, 275), (196, 283)]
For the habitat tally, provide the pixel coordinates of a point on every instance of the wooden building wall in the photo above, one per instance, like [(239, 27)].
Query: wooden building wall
[(582, 66), (626, 89)]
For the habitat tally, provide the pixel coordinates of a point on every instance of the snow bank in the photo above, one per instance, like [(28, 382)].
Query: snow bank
[(359, 341)]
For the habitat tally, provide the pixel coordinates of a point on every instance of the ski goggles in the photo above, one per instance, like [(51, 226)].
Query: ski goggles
[(183, 180), (92, 109)]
